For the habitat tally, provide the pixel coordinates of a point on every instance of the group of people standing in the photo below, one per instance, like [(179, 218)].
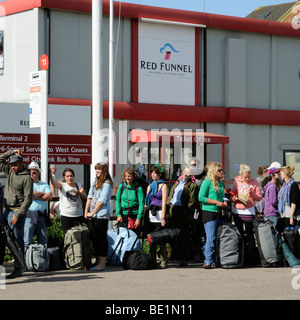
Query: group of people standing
[(191, 200)]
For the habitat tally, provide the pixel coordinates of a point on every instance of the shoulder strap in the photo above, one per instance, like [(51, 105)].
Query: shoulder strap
[(136, 189)]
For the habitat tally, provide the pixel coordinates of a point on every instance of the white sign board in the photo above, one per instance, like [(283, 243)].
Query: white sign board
[(38, 97), (166, 64)]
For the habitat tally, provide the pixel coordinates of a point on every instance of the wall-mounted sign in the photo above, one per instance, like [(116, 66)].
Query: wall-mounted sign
[(69, 138), (166, 64)]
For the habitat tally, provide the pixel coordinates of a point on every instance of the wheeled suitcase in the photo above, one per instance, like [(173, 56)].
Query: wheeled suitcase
[(267, 242), (229, 247)]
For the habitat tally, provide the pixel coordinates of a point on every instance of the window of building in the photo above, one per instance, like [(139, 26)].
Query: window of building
[(292, 158)]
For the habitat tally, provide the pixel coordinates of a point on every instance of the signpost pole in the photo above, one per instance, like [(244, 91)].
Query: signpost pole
[(44, 129), (44, 64), (97, 109)]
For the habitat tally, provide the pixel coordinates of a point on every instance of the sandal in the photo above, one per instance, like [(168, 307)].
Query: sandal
[(207, 266)]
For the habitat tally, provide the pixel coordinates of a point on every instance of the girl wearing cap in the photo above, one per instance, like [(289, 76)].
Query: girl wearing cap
[(288, 199), (247, 191), (271, 196)]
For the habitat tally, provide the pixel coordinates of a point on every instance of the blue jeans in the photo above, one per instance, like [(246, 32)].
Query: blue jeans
[(39, 228), (274, 219), (211, 228)]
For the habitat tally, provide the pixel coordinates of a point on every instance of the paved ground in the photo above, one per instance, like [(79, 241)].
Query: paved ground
[(174, 283)]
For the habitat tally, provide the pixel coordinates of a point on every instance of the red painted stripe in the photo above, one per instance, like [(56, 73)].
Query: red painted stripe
[(197, 66), (135, 11), (134, 60), (161, 112)]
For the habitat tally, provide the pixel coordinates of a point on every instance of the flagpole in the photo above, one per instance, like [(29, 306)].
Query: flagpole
[(111, 87)]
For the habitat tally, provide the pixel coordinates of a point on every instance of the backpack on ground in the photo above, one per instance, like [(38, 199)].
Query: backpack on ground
[(77, 248), (267, 242), (37, 258), (229, 247), (121, 240)]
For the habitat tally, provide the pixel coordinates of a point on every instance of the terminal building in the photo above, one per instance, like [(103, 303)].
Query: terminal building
[(187, 84)]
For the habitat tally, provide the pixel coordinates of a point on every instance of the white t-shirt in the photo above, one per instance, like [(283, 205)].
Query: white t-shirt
[(70, 204)]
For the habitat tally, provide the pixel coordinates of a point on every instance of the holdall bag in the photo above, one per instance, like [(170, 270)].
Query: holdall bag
[(163, 235), (119, 241), (137, 260), (229, 247), (37, 258), (267, 242), (77, 248)]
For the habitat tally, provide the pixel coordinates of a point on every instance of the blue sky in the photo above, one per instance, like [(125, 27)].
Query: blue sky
[(238, 8)]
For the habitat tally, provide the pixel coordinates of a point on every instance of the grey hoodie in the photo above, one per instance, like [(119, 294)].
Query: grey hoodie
[(19, 187)]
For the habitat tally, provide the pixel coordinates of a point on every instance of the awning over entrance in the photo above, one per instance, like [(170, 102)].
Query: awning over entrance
[(178, 136), (141, 135)]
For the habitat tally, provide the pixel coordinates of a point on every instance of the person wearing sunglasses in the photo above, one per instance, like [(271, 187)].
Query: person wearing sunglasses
[(211, 195)]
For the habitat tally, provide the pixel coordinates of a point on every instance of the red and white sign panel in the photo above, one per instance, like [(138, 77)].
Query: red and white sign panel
[(69, 138)]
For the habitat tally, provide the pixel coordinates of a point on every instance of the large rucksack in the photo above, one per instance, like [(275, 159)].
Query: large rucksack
[(229, 247), (77, 248), (121, 240), (267, 242), (37, 258)]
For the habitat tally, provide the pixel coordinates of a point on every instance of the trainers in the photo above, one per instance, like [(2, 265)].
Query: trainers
[(15, 274)]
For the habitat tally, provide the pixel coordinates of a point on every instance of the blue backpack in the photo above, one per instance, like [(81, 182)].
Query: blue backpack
[(121, 240)]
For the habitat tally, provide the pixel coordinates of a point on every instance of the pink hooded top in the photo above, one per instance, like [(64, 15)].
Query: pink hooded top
[(251, 188)]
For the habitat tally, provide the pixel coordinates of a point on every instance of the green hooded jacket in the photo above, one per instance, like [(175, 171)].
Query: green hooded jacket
[(129, 199)]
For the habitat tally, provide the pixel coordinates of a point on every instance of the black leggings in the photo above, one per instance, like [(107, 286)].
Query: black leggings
[(98, 229), (68, 222)]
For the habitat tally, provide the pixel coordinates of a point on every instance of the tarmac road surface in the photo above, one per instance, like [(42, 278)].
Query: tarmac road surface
[(174, 283)]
